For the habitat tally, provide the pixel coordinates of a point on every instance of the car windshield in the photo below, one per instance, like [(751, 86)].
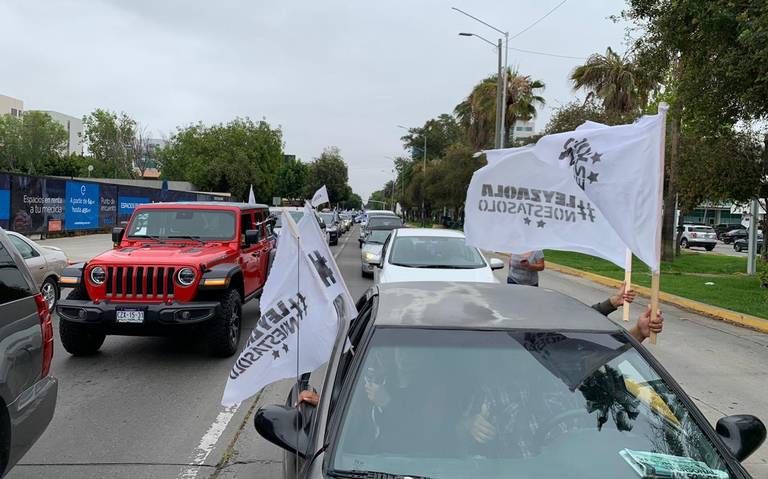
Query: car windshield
[(492, 404), (378, 221), (296, 215), (210, 225), (377, 236), (434, 252), (328, 218), (702, 229)]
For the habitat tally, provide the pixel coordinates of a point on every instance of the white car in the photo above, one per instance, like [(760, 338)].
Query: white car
[(296, 213), (425, 254), (698, 235)]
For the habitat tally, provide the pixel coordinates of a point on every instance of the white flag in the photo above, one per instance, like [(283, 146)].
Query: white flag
[(251, 197), (617, 169), (298, 313), (320, 197), (518, 203)]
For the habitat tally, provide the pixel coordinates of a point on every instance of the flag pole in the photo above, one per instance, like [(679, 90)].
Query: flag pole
[(655, 278), (627, 282)]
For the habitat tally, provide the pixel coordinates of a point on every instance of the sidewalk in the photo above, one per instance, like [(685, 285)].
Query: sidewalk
[(81, 248)]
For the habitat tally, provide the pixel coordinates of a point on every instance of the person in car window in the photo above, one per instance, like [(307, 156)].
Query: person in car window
[(524, 268)]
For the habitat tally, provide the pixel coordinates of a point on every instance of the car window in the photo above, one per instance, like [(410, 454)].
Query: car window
[(13, 286), (461, 403), (435, 252), (379, 221), (702, 229), (377, 236), (212, 225), (25, 249), (246, 223)]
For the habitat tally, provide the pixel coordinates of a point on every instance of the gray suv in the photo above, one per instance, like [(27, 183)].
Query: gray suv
[(27, 389)]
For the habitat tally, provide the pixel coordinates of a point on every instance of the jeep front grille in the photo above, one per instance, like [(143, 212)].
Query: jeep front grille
[(154, 282)]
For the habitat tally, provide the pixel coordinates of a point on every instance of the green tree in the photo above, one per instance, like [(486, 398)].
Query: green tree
[(292, 179), (329, 170), (226, 157), (621, 84), (440, 132), (110, 137), (30, 143), (477, 113)]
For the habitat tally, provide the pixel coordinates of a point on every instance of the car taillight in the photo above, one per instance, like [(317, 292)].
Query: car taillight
[(46, 324), (693, 235)]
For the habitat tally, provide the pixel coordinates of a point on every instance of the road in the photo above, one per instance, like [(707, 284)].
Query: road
[(149, 407)]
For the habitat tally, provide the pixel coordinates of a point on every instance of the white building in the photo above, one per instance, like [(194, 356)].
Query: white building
[(74, 127), (524, 129), (11, 106)]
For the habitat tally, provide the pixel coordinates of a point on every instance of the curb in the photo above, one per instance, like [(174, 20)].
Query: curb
[(722, 314)]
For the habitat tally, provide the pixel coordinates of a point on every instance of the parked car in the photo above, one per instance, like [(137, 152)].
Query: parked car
[(426, 254), (28, 391), (733, 235), (380, 221), (331, 221), (45, 263), (722, 228), (698, 235), (370, 255), (742, 244), (177, 267), (470, 380), (296, 213)]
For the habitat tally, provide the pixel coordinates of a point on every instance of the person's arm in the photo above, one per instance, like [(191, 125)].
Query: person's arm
[(605, 308), (644, 326), (537, 265), (309, 397), (614, 302)]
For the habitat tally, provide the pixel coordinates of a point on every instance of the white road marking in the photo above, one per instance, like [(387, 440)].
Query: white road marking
[(208, 442)]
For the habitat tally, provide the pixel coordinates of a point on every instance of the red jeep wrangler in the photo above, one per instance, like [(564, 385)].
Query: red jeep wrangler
[(175, 267)]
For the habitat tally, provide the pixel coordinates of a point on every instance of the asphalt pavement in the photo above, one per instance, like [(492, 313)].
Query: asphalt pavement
[(149, 407)]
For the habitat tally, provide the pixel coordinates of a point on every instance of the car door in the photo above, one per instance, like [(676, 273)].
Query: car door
[(264, 246), (249, 256), (34, 260)]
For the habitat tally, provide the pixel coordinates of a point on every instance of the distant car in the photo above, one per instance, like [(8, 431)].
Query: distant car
[(722, 228), (733, 235), (346, 220), (45, 263), (467, 380), (426, 254), (27, 390), (698, 235), (742, 244), (371, 251), (331, 221), (380, 221), (296, 213)]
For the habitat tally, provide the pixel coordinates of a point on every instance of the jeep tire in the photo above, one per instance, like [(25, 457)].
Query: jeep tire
[(226, 325), (76, 339)]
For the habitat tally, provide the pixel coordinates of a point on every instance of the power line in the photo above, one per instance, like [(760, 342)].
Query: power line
[(537, 21), (547, 54)]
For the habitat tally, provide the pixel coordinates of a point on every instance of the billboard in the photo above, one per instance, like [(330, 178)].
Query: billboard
[(5, 200), (34, 201), (82, 206)]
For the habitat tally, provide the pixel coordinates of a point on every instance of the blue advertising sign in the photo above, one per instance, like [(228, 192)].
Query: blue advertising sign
[(5, 204), (82, 206), (129, 203)]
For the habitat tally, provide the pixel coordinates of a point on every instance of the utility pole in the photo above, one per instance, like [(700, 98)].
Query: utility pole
[(500, 91), (754, 224), (424, 181)]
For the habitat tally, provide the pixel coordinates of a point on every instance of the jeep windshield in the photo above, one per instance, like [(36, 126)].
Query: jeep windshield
[(166, 224)]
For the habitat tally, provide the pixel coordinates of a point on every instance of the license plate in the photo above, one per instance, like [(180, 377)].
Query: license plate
[(129, 316)]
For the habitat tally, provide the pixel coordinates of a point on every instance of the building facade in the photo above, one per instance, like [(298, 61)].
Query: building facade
[(523, 129), (74, 127), (11, 106)]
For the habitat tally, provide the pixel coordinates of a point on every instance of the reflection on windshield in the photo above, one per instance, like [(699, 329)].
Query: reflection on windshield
[(295, 215), (211, 225), (454, 404), (377, 236), (379, 221), (435, 252)]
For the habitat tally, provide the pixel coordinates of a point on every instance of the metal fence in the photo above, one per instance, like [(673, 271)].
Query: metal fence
[(42, 205)]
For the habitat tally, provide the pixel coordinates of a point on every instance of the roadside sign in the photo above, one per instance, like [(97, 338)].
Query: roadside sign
[(277, 201)]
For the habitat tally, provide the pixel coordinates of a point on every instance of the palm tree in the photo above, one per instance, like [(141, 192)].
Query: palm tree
[(619, 82), (477, 113)]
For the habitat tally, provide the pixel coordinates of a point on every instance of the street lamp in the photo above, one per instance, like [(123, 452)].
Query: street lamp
[(424, 173), (504, 76), (499, 94)]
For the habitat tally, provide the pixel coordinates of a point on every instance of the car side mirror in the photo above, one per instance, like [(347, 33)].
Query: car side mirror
[(741, 433), (285, 427), (496, 263), (117, 235), (252, 236)]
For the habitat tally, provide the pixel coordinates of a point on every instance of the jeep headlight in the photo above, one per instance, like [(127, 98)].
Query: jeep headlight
[(98, 275), (186, 276)]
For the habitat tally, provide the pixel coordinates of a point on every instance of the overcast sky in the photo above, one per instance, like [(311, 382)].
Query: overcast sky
[(327, 72)]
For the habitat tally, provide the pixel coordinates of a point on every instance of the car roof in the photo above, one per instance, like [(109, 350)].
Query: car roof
[(436, 232), (484, 306), (286, 208), (204, 204), (381, 213)]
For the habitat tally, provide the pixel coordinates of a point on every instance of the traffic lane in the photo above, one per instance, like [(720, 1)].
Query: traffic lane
[(721, 366), (81, 248), (250, 455), (140, 408)]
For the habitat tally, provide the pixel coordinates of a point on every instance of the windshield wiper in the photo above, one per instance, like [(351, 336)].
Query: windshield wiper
[(371, 475), (152, 237), (188, 237)]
